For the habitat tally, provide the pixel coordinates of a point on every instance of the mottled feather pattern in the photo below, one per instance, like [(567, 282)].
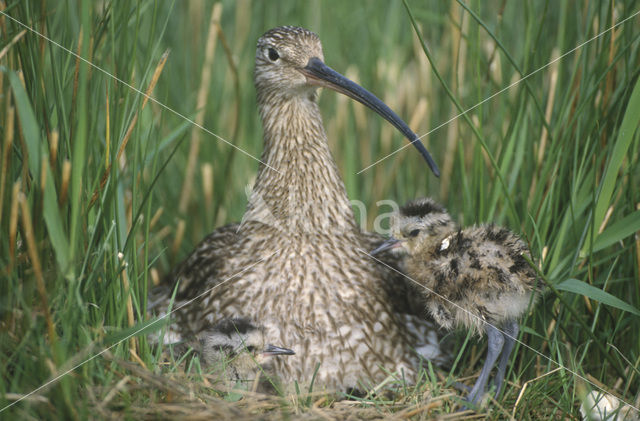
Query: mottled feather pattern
[(469, 275), (205, 262)]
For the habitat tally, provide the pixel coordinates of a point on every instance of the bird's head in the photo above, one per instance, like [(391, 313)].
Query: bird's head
[(281, 58), (240, 345), (419, 224), (290, 64)]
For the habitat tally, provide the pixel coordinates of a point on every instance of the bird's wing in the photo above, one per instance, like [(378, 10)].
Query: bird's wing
[(194, 275), (503, 254), (198, 271)]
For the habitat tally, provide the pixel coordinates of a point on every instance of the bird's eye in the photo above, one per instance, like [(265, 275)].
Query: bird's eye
[(414, 233), (273, 54), (251, 348)]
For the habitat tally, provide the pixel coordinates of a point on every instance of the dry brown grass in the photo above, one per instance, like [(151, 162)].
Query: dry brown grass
[(139, 393)]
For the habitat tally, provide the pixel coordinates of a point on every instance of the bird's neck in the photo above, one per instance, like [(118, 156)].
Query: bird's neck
[(298, 187)]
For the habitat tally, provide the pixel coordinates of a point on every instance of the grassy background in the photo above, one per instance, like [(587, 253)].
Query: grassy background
[(99, 195)]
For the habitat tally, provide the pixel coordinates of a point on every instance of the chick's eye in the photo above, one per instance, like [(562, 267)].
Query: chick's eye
[(273, 54), (251, 348), (414, 233)]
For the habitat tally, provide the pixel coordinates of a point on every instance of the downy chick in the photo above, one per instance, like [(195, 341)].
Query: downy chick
[(238, 347), (474, 277)]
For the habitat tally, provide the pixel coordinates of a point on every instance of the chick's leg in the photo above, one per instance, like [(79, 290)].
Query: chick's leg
[(511, 330), (495, 341)]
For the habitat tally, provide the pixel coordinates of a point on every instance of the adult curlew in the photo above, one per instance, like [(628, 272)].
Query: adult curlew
[(295, 261), (474, 277)]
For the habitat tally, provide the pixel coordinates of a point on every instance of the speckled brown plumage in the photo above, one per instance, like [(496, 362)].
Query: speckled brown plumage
[(302, 274), (474, 277), (238, 350)]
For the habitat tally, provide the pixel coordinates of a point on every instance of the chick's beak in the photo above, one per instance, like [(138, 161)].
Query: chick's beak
[(389, 244), (271, 350), (319, 74)]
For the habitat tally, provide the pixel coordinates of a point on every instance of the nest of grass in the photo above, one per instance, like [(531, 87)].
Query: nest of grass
[(139, 393)]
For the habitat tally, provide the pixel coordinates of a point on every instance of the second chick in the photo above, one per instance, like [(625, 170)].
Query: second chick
[(475, 277)]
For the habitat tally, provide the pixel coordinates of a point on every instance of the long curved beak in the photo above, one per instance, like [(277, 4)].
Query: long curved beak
[(320, 74), (389, 244), (270, 350)]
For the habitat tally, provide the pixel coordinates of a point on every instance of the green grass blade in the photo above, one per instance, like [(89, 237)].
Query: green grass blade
[(625, 135), (618, 231), (28, 123), (55, 225), (31, 131), (140, 329), (80, 140), (582, 288)]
